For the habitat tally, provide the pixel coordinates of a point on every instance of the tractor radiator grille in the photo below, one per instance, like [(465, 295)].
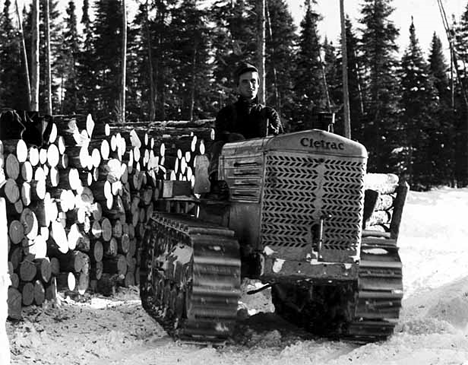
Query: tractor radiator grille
[(299, 189)]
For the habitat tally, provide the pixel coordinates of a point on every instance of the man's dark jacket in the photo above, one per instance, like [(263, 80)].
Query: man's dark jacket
[(247, 118)]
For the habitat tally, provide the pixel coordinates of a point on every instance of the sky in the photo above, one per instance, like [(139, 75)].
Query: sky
[(426, 15)]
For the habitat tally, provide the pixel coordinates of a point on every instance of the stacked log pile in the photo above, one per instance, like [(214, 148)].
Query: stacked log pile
[(77, 206)]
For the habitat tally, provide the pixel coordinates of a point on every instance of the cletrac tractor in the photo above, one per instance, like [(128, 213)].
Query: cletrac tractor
[(301, 216)]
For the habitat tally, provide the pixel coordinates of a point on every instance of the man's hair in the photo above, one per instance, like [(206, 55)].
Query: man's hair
[(241, 69)]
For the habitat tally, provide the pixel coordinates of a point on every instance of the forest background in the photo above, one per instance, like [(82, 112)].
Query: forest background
[(408, 109)]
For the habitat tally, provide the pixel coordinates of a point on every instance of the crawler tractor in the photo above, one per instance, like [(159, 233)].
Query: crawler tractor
[(301, 216)]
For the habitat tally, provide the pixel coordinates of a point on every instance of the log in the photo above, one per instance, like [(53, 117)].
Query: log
[(16, 231), (38, 189), (39, 292), (54, 266), (27, 293), (78, 156), (51, 290), (115, 265), (14, 304), (27, 269), (10, 191), (53, 179), (82, 283), (123, 243), (74, 261), (27, 171), (33, 155), (46, 210), (12, 166), (60, 143), (53, 155), (44, 269), (110, 248), (37, 247), (58, 238), (14, 280), (97, 251), (16, 256), (26, 193), (42, 156), (30, 223), (106, 229), (66, 281), (96, 270), (96, 229)]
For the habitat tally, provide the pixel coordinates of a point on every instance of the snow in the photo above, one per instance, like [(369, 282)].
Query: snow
[(433, 326)]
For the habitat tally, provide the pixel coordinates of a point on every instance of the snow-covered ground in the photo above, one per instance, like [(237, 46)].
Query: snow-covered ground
[(433, 326)]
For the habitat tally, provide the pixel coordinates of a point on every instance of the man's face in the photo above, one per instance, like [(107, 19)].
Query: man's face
[(248, 84)]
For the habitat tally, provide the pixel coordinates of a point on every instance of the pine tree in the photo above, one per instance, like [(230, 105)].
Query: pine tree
[(281, 40), (444, 155), (68, 59), (310, 89), (85, 67), (107, 53), (419, 104), (13, 92), (190, 61), (461, 98), (380, 91), (234, 37), (355, 82)]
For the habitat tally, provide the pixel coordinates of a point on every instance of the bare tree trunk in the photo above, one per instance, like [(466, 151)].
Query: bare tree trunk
[(261, 49), (35, 57), (152, 111), (275, 74), (124, 59), (192, 88), (48, 71), (24, 55), (344, 51)]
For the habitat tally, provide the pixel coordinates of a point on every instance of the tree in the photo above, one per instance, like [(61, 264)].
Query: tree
[(419, 126), (87, 97), (67, 61), (380, 91), (190, 58), (280, 59), (107, 47), (13, 89), (444, 155), (460, 103), (310, 88), (233, 40)]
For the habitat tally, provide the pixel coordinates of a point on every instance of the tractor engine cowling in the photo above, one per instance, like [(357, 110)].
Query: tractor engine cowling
[(296, 204)]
